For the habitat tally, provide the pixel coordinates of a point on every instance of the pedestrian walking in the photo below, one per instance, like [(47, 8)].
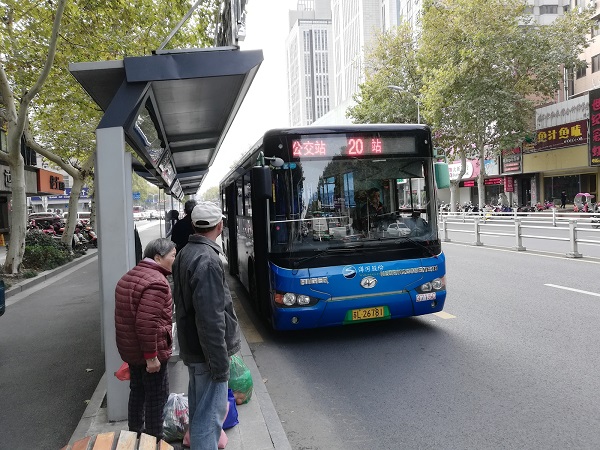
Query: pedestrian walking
[(563, 199), (207, 326), (143, 322), (182, 230)]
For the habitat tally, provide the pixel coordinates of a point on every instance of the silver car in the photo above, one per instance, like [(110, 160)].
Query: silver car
[(397, 229)]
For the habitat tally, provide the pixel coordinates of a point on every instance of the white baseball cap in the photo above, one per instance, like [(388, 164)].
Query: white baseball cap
[(206, 215)]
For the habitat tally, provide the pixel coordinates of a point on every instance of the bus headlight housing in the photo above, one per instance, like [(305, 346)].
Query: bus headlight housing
[(290, 299), (437, 284)]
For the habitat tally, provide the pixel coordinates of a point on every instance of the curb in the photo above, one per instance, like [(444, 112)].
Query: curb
[(47, 274)]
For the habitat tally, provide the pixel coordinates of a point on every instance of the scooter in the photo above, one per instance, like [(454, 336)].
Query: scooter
[(80, 243), (91, 236)]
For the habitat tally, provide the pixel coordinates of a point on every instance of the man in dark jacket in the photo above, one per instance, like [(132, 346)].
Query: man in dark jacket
[(207, 325), (143, 322), (182, 229)]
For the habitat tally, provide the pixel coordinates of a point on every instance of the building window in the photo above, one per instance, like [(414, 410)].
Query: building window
[(549, 9), (581, 72), (596, 28), (595, 63)]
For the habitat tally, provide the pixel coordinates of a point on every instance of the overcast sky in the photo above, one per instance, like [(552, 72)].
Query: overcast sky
[(265, 105)]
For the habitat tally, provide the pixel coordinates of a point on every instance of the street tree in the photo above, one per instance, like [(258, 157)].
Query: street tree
[(16, 101), (60, 124), (485, 68), (211, 194), (392, 80), (392, 90), (478, 70)]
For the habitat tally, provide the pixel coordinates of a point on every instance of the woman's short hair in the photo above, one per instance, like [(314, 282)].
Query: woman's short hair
[(160, 246)]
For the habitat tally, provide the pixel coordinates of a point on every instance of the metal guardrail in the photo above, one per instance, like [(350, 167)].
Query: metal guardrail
[(522, 225)]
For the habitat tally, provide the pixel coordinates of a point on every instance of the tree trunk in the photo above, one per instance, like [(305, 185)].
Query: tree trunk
[(92, 197), (481, 177), (453, 195), (67, 236), (18, 217)]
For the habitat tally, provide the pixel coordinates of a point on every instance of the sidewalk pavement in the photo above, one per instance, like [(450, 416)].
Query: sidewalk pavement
[(259, 426)]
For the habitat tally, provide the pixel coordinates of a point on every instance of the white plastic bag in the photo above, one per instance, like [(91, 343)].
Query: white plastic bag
[(177, 417)]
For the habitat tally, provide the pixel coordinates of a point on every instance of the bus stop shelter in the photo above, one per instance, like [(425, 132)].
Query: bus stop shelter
[(173, 109)]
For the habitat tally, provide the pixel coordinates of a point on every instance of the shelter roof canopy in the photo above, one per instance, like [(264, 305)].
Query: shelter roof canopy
[(175, 107)]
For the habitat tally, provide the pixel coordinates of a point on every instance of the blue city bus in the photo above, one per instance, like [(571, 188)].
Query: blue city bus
[(337, 225)]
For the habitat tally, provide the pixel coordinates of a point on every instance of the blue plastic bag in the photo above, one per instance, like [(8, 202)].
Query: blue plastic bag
[(232, 415)]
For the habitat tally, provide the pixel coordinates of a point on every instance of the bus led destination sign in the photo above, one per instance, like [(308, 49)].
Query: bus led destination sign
[(351, 145)]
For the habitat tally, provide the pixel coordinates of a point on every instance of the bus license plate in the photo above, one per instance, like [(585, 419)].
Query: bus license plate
[(368, 313)]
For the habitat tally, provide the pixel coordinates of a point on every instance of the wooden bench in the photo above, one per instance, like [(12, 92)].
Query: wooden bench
[(119, 440)]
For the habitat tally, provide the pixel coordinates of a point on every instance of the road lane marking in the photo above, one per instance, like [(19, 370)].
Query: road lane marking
[(595, 294), (444, 315)]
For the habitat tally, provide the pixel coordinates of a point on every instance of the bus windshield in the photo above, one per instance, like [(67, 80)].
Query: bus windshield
[(332, 202)]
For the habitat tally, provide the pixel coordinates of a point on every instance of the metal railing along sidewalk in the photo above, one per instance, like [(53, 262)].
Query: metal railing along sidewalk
[(573, 229)]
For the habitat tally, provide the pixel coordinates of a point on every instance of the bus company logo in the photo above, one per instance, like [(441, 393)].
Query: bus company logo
[(368, 282), (349, 272), (317, 280), (391, 273)]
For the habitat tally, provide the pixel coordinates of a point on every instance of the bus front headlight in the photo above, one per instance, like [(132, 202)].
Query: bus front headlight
[(437, 284), (289, 299), (303, 300)]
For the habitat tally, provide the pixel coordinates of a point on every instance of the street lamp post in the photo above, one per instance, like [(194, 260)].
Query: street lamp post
[(399, 89)]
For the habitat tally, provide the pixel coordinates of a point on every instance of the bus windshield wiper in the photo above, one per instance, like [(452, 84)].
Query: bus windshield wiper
[(338, 249), (418, 244)]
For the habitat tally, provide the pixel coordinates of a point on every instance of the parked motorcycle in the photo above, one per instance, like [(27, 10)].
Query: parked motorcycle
[(91, 236), (80, 243)]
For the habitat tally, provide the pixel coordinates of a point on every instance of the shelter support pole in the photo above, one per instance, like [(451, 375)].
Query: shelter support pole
[(116, 250)]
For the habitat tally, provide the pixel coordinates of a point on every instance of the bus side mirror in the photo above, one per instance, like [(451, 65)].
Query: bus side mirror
[(442, 175), (261, 182)]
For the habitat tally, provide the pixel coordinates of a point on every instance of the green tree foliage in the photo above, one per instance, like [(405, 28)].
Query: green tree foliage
[(60, 123), (212, 194), (479, 70), (145, 188), (391, 62)]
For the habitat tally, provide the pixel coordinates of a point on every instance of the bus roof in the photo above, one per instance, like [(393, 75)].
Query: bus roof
[(353, 128)]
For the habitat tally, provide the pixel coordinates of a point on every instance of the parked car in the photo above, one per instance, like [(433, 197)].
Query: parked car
[(82, 216), (43, 216), (398, 229), (152, 214)]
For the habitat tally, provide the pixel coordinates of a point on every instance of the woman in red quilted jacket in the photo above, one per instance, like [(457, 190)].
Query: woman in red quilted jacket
[(143, 322)]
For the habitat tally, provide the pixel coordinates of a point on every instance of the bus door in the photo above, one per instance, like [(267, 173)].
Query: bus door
[(230, 239)]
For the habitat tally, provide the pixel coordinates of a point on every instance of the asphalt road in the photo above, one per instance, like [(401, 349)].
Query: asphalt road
[(51, 361), (510, 363)]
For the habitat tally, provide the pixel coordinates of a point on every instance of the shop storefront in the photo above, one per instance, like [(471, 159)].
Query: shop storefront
[(60, 203), (561, 159), (468, 189), (5, 192)]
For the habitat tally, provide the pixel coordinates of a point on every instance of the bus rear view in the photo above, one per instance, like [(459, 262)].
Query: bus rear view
[(337, 225)]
